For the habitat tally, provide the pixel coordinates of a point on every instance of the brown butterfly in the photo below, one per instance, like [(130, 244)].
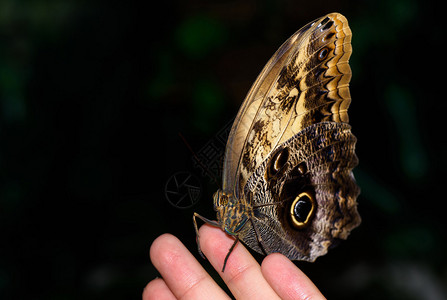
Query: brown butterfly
[(288, 185)]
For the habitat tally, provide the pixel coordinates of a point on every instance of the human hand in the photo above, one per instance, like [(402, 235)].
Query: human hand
[(184, 278)]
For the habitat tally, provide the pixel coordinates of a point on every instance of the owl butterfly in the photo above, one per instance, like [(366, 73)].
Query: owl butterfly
[(288, 185)]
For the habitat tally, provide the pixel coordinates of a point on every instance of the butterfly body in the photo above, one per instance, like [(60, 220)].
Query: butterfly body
[(288, 185), (232, 213)]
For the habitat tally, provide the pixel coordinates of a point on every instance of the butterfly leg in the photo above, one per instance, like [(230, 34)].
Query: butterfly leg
[(229, 252), (207, 221), (259, 238)]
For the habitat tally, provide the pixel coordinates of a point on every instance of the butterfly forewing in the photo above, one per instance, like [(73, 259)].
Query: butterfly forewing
[(250, 108), (295, 89)]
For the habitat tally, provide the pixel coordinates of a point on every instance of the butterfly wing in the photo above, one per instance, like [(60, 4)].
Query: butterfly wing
[(305, 82), (249, 110), (303, 195)]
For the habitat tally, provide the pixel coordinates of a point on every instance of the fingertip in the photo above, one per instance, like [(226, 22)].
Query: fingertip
[(210, 231), (157, 289), (288, 281), (161, 239), (274, 259), (214, 242), (181, 272), (166, 250)]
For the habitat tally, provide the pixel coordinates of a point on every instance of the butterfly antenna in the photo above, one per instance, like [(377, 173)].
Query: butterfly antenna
[(205, 168)]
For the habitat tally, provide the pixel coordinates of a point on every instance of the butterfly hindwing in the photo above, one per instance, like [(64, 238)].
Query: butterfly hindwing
[(316, 167)]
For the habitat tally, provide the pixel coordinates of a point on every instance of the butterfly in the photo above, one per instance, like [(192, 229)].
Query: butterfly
[(288, 185)]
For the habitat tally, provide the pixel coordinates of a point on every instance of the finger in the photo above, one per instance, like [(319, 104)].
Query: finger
[(287, 279), (181, 272), (157, 290), (242, 273)]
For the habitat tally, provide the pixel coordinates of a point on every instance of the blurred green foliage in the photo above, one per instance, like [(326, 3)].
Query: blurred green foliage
[(401, 107), (94, 94), (200, 34)]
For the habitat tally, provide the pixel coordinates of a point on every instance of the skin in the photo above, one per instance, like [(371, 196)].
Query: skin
[(183, 277)]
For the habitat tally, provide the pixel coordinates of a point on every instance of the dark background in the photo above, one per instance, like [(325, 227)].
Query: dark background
[(95, 97)]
